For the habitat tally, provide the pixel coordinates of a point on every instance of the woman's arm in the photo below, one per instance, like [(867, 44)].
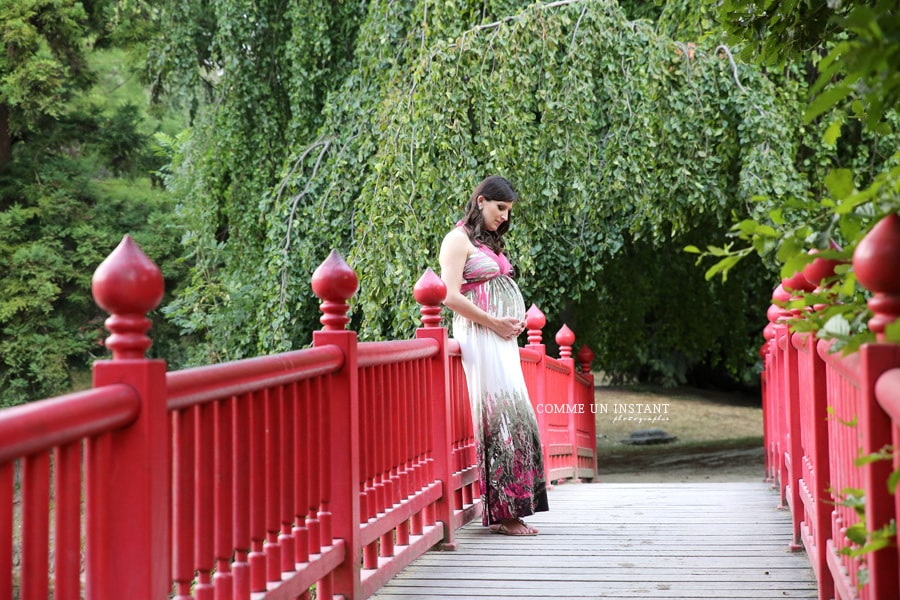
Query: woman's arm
[(454, 252)]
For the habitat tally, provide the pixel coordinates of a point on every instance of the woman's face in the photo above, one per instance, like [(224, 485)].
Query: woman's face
[(494, 212)]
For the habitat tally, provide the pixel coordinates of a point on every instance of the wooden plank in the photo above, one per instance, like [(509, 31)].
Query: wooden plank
[(604, 540)]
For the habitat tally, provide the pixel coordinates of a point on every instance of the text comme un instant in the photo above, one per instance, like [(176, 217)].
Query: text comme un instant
[(618, 409)]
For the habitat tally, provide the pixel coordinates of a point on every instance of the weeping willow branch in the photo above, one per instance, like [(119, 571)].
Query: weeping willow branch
[(734, 71), (325, 144)]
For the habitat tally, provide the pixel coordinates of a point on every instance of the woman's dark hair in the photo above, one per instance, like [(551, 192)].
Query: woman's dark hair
[(494, 189)]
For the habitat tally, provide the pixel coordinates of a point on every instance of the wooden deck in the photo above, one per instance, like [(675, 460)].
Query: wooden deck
[(608, 540)]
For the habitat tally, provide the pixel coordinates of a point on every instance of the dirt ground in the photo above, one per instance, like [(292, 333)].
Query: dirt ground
[(717, 435)]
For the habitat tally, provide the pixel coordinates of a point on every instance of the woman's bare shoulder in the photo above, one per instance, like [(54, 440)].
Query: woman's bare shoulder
[(457, 237), (456, 244)]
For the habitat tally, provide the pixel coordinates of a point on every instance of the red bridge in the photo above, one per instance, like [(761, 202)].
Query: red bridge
[(327, 471)]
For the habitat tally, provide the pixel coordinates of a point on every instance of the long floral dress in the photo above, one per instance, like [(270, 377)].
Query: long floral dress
[(508, 446)]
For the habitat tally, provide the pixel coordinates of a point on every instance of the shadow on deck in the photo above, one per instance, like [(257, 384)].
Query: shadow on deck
[(622, 540)]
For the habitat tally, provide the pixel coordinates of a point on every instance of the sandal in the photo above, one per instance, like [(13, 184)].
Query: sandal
[(503, 529)]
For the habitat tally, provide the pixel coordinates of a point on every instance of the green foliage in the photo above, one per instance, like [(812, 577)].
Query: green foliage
[(849, 153), (857, 39), (75, 181), (43, 62), (615, 135)]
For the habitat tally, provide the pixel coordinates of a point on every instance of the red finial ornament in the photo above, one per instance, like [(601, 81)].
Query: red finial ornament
[(585, 358), (334, 283), (565, 338), (430, 291), (534, 321), (798, 284), (876, 262), (127, 285), (820, 268), (780, 298)]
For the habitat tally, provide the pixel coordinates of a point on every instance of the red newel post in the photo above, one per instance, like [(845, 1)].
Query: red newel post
[(585, 358), (565, 338), (334, 283), (793, 471), (876, 262), (782, 411), (127, 471), (429, 292), (816, 467), (771, 390), (534, 324)]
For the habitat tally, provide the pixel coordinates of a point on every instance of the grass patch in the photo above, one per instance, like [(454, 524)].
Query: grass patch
[(712, 429)]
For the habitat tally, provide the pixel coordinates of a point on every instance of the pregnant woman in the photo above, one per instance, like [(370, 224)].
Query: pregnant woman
[(489, 313)]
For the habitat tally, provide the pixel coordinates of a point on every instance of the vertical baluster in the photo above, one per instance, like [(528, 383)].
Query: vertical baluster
[(98, 457), (398, 472), (412, 447), (322, 465), (204, 516), (286, 509), (382, 435), (401, 385), (7, 472), (241, 439), (400, 398), (416, 424), (67, 568), (35, 525), (325, 471), (427, 423), (302, 475), (422, 429), (223, 450), (392, 476), (364, 456), (369, 422), (258, 491), (315, 468), (182, 507), (272, 412), (415, 448), (369, 434)]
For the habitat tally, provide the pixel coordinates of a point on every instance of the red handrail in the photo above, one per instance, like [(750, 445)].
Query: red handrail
[(827, 419), (332, 466)]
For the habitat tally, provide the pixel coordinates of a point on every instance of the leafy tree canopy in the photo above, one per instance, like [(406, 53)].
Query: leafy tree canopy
[(851, 51), (73, 180), (616, 136)]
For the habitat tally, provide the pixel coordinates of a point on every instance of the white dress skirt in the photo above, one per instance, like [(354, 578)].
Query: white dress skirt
[(508, 445)]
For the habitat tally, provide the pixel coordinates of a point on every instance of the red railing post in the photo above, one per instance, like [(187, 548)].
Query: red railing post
[(794, 450), (769, 395), (429, 292), (534, 323), (585, 359), (816, 468), (334, 283), (127, 471), (781, 406), (565, 338), (876, 262)]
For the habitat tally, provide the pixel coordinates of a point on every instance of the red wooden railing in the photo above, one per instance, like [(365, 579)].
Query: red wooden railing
[(825, 411), (331, 467)]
